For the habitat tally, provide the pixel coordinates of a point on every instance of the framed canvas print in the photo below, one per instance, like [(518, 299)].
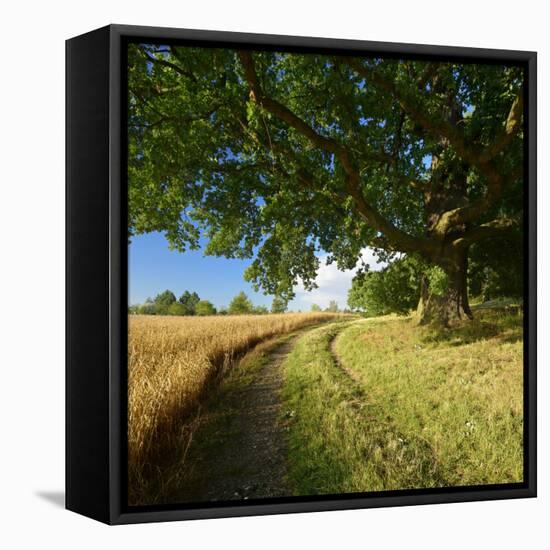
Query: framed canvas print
[(301, 274)]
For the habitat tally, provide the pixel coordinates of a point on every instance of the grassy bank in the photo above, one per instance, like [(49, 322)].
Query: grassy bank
[(421, 409)]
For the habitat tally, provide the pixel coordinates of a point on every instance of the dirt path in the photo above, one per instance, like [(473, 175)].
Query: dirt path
[(242, 452)]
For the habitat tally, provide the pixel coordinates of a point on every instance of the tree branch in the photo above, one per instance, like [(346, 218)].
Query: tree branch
[(402, 241), (286, 115), (482, 160), (162, 118), (471, 212), (427, 75), (439, 128), (416, 184), (511, 128), (496, 228), (168, 64)]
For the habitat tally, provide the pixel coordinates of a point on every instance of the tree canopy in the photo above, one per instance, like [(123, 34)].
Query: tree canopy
[(165, 298), (276, 156), (278, 305), (240, 304), (190, 304), (189, 301), (394, 289), (204, 307)]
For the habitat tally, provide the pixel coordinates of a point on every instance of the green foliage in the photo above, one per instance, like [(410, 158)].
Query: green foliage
[(278, 305), (240, 305), (394, 289), (148, 308), (496, 269), (437, 280), (315, 307), (206, 160), (165, 304), (332, 307), (176, 309), (204, 307), (165, 298), (260, 310), (189, 302), (163, 301)]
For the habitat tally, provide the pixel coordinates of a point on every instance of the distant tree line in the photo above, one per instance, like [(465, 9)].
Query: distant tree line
[(190, 303), (331, 308)]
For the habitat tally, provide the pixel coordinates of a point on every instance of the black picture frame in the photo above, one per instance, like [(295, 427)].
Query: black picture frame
[(96, 276)]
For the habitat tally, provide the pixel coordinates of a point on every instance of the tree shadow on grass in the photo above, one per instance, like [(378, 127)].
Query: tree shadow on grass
[(486, 326), (512, 338)]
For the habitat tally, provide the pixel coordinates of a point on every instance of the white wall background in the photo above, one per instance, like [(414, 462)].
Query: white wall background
[(32, 272)]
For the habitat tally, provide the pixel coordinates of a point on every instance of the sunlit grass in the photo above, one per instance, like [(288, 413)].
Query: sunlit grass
[(425, 408)]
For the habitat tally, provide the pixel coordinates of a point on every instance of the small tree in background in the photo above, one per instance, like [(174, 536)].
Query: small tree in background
[(189, 301), (394, 289), (240, 305), (332, 307), (163, 301), (148, 308), (315, 307), (204, 307), (165, 298), (278, 305), (260, 310)]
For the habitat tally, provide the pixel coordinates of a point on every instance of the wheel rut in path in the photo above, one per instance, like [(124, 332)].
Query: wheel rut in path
[(350, 373), (246, 456)]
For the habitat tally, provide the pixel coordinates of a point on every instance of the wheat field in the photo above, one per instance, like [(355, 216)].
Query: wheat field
[(171, 362)]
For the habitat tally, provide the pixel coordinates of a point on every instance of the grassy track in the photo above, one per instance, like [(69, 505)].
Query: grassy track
[(403, 407)]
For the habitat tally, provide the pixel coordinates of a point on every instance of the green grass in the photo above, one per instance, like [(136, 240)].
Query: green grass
[(425, 408)]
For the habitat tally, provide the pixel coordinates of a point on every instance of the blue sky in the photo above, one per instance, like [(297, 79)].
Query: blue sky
[(153, 267)]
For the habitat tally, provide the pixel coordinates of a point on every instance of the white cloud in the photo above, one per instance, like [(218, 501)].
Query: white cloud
[(332, 283)]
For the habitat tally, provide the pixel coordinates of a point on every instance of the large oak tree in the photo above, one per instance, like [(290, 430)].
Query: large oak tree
[(275, 156)]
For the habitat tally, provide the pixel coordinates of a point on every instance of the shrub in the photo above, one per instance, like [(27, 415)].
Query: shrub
[(204, 307), (240, 305), (394, 289)]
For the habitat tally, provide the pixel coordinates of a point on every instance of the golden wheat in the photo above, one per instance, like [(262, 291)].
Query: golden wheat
[(171, 361)]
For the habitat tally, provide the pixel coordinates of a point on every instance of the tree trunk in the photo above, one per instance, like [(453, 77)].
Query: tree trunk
[(452, 304)]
